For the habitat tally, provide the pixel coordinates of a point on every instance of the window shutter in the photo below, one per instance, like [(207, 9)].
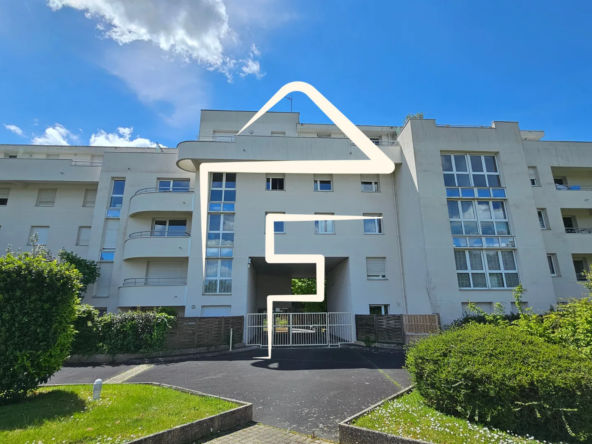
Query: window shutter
[(46, 197), (369, 177), (4, 192), (90, 197), (275, 175), (215, 310), (83, 236), (323, 177), (104, 282), (532, 172), (376, 267), (110, 233)]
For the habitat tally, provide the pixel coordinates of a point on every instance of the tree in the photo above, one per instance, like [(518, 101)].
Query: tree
[(413, 116), (308, 286), (38, 300), (89, 270)]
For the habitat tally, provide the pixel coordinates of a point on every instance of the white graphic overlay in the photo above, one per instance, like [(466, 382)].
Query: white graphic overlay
[(377, 163)]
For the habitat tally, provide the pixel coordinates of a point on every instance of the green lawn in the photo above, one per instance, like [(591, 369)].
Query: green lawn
[(408, 416), (67, 414)]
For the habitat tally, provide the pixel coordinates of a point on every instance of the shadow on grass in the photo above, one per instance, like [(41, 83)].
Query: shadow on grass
[(39, 408)]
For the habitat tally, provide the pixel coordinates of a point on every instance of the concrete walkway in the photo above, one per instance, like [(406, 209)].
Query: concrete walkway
[(260, 434)]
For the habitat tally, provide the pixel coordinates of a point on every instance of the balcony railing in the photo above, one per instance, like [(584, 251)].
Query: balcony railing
[(84, 163), (144, 282), (579, 230), (156, 233), (572, 188), (165, 190)]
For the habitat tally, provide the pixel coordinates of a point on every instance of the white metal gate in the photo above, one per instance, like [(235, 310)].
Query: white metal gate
[(300, 329)]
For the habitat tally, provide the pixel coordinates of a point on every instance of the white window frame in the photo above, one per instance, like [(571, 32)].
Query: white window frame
[(223, 245), (374, 277), (218, 277), (78, 241), (87, 201), (275, 224), (533, 176), (105, 253), (269, 183), (485, 270), (223, 188), (542, 215), (384, 308), (35, 229), (552, 261), (115, 211), (369, 181), (162, 187), (324, 227), (167, 221), (322, 178), (477, 219), (377, 223), (46, 203), (454, 172)]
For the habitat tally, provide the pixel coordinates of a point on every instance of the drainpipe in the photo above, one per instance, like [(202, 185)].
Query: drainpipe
[(398, 234)]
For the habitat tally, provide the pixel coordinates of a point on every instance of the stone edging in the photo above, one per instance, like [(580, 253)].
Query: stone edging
[(187, 433), (351, 434)]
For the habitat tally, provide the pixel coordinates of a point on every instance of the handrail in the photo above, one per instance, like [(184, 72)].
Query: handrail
[(167, 190), (381, 142), (143, 282), (579, 230), (85, 163), (216, 139), (571, 188), (156, 233)]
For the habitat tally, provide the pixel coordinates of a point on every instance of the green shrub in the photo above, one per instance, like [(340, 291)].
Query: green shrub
[(89, 270), (38, 299), (506, 378), (125, 332)]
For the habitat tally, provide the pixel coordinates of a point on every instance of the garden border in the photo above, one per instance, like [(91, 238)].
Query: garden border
[(351, 434), (187, 433)]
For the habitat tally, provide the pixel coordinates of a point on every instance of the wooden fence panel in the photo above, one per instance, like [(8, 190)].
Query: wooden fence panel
[(380, 328), (421, 324), (196, 332)]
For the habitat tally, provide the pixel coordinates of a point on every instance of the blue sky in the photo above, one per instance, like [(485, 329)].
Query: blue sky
[(75, 71)]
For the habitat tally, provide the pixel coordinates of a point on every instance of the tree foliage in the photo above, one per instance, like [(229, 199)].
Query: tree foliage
[(308, 286), (88, 269), (418, 115), (38, 299)]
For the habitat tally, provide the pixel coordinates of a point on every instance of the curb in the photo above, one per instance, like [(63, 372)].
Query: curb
[(190, 357)]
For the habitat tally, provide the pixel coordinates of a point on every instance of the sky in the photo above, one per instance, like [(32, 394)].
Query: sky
[(138, 72)]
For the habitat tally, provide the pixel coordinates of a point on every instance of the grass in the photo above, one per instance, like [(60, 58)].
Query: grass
[(67, 414), (408, 416)]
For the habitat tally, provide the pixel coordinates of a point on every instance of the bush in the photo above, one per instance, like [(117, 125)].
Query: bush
[(506, 378), (89, 270), (38, 299), (126, 332)]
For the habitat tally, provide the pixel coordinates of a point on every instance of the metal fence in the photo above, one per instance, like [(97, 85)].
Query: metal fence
[(300, 329)]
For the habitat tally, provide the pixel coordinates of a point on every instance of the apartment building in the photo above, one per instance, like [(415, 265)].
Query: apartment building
[(468, 213)]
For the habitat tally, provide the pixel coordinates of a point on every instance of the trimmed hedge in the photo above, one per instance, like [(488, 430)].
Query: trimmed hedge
[(125, 332), (508, 379), (38, 299)]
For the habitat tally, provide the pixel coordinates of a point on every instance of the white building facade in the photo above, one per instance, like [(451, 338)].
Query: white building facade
[(468, 213)]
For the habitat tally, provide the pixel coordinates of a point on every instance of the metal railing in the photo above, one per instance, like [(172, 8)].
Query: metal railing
[(144, 282), (84, 163), (579, 230), (156, 233), (216, 138), (164, 190), (572, 188), (380, 142)]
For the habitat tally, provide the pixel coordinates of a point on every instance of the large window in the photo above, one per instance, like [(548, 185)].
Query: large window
[(220, 242), (41, 232), (481, 217), (486, 269), (373, 226), (173, 185), (116, 199), (170, 228), (470, 170)]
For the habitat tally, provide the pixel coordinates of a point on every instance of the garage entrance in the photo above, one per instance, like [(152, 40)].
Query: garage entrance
[(300, 329)]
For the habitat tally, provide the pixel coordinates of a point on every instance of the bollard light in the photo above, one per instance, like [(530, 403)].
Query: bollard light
[(97, 386)]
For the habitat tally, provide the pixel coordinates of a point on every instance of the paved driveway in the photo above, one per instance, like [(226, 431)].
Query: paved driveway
[(304, 390)]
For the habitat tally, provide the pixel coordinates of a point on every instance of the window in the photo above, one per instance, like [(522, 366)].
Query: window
[(376, 268), (223, 188), (324, 226), (323, 182), (570, 224), (218, 277), (4, 192), (482, 217), (375, 140), (580, 269), (369, 183), (41, 232), (279, 227), (533, 176), (46, 197), (275, 182), (173, 185), (541, 213), (169, 228), (467, 170), (379, 309), (116, 200), (90, 197), (220, 235), (486, 269), (83, 236), (107, 255), (103, 286), (11, 156), (373, 226), (552, 260)]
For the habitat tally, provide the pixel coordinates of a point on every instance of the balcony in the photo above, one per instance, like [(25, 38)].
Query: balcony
[(147, 244), (149, 200), (49, 170), (153, 292)]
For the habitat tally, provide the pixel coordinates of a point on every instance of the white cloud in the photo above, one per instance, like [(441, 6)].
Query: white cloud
[(102, 138), (55, 135), (15, 129), (250, 65)]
